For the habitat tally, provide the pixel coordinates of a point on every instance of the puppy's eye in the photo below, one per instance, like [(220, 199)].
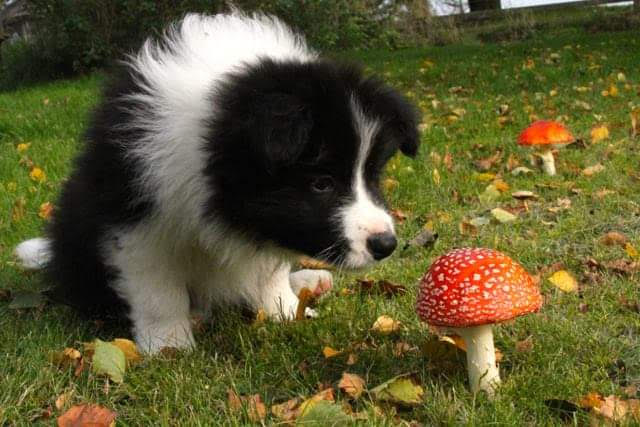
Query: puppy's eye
[(322, 184)]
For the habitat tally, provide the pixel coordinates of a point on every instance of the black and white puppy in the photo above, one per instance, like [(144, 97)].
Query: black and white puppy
[(224, 152)]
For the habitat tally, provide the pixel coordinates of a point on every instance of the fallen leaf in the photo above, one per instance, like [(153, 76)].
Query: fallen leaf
[(400, 390), (27, 299), (401, 348), (489, 162), (256, 409), (323, 395), (66, 358), (503, 216), (381, 287), (329, 352), (489, 195), (599, 133), (305, 297), (483, 177), (286, 411), (564, 281), (436, 177), (592, 170), (352, 359), (631, 250), (390, 184), (18, 210), (525, 345), (88, 415), (622, 266), (21, 148), (398, 215), (617, 409), (426, 238), (108, 360), (324, 413), (37, 175), (351, 384), (45, 210), (635, 122), (385, 325), (466, 228), (614, 238), (521, 170), (63, 399), (129, 349)]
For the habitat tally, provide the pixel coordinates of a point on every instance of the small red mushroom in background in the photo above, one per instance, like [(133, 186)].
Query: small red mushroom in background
[(544, 136), (467, 290)]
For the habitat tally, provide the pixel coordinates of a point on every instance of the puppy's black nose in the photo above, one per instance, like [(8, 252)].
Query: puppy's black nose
[(381, 245)]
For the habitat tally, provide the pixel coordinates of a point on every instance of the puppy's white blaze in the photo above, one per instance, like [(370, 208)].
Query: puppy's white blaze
[(362, 217), (178, 78)]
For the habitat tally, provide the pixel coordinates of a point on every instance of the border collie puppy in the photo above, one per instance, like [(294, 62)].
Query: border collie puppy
[(222, 153)]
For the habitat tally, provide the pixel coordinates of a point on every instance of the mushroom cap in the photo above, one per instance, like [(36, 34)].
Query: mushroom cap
[(475, 286), (545, 133)]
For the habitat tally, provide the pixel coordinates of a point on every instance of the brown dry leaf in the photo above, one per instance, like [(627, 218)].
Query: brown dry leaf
[(617, 409), (386, 325), (305, 298), (352, 359), (381, 287), (398, 215), (592, 170), (622, 266), (351, 384), (45, 210), (256, 410), (401, 348), (599, 133), (635, 122), (601, 194), (448, 161), (286, 411), (329, 352), (18, 210), (525, 345), (467, 229), (512, 162), (489, 162), (564, 281), (87, 415), (63, 400), (614, 238), (305, 262), (69, 357)]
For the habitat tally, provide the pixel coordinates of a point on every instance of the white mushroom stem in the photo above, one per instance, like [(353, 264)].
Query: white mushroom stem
[(548, 162), (481, 358)]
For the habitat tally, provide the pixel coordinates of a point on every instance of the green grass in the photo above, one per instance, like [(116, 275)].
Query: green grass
[(574, 352)]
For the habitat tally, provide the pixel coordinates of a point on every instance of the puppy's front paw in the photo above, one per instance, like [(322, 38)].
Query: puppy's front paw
[(318, 281), (153, 338)]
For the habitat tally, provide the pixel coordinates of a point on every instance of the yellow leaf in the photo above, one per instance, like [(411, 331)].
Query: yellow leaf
[(436, 177), (622, 77), (17, 213), (37, 175), (631, 251), (564, 281), (390, 184), (385, 325), (329, 352), (500, 185), (21, 148), (613, 90), (487, 176), (553, 92), (45, 210), (599, 133), (129, 349)]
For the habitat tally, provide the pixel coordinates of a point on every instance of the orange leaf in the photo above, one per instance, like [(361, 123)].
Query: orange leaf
[(329, 352), (87, 415), (45, 210), (351, 384)]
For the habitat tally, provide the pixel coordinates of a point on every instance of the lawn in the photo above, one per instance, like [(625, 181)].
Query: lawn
[(474, 99)]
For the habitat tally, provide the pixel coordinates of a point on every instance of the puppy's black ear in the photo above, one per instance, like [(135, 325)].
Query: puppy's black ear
[(400, 117), (280, 128)]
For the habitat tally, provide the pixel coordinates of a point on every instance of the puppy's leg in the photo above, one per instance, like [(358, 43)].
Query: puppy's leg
[(154, 286), (317, 281), (276, 297)]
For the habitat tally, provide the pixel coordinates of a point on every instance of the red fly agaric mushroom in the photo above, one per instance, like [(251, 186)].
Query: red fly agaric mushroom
[(545, 135), (467, 290)]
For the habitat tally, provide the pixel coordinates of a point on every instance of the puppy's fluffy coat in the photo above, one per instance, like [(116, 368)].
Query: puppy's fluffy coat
[(223, 151)]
